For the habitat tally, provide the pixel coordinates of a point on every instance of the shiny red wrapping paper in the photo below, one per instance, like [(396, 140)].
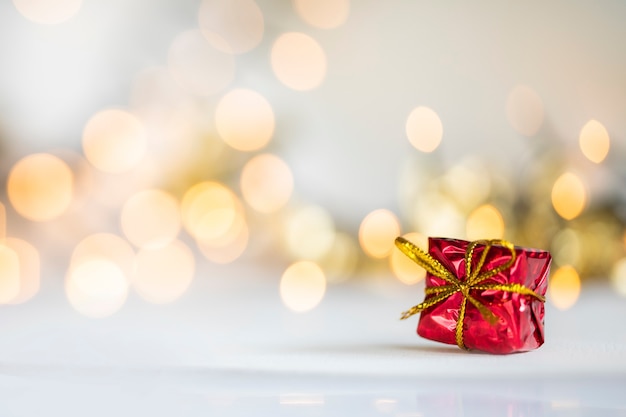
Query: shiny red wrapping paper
[(520, 317)]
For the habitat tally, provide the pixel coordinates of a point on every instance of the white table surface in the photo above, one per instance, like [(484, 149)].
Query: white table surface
[(230, 347)]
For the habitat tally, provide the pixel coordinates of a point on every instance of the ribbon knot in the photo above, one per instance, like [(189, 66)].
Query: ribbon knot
[(474, 280), (464, 289)]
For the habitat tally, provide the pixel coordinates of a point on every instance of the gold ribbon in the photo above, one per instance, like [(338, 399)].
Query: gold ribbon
[(474, 278)]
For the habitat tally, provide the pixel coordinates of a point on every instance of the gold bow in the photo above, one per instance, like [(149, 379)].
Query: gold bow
[(474, 279)]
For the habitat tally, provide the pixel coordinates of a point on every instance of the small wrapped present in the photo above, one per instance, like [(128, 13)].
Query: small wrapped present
[(484, 295)]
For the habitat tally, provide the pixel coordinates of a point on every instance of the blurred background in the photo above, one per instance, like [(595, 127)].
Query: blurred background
[(144, 143)]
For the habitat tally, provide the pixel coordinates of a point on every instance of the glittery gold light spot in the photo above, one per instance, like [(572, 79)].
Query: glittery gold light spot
[(266, 183), (485, 222), (212, 214), (594, 141), (298, 61), (151, 218), (302, 286), (48, 11), (323, 14), (569, 196), (618, 276), (96, 287), (377, 233), (407, 271), (29, 269), (10, 273), (40, 187), (164, 274), (564, 287), (424, 129), (114, 141), (244, 120)]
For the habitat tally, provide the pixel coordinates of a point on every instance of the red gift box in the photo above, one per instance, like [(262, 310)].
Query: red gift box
[(484, 295)]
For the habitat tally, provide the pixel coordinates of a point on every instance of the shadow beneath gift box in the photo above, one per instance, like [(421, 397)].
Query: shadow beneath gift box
[(370, 349), (445, 349)]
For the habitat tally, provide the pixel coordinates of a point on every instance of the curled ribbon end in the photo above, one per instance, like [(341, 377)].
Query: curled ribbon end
[(410, 312)]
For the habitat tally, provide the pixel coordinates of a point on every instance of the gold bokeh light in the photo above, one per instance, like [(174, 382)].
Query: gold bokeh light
[(564, 287), (406, 270), (10, 273), (40, 187), (618, 276), (107, 246), (302, 286), (99, 274), (212, 213), (323, 14), (197, 66), (298, 61), (310, 232), (48, 12), (228, 247), (524, 110), (3, 222), (244, 120), (151, 218), (29, 269), (594, 141), (377, 233), (218, 223), (266, 183), (233, 26), (485, 222), (96, 287), (569, 196), (163, 275), (114, 141), (424, 129)]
